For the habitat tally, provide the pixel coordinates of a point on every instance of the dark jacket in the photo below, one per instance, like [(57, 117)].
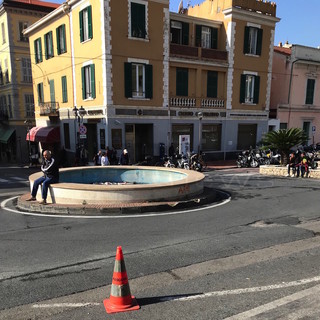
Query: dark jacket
[(50, 168)]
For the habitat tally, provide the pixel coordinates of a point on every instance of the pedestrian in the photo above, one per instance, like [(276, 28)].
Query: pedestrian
[(304, 166), (171, 151), (124, 158), (50, 171), (292, 164), (104, 159), (97, 158)]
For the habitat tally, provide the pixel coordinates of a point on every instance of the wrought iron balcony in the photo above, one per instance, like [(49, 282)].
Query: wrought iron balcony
[(49, 108)]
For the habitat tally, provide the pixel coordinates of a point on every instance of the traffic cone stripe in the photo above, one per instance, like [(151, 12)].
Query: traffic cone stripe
[(120, 291), (119, 266), (119, 278)]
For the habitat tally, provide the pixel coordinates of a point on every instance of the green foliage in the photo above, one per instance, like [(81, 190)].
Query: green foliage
[(284, 140)]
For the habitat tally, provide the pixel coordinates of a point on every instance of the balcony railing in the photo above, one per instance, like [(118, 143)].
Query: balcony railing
[(49, 108), (184, 51), (189, 102), (212, 103)]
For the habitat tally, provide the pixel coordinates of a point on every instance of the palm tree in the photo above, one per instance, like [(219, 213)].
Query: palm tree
[(284, 140)]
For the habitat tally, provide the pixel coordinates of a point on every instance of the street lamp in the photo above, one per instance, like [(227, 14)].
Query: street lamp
[(78, 114), (28, 123), (200, 116)]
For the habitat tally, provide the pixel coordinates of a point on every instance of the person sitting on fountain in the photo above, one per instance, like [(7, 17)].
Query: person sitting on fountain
[(50, 171)]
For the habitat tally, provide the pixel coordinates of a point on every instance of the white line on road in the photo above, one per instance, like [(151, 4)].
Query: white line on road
[(66, 305), (4, 203), (245, 290)]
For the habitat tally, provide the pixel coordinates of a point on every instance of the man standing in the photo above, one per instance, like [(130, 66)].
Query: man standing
[(50, 170)]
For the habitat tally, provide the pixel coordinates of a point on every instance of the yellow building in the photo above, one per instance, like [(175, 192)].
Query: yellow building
[(130, 74), (16, 92)]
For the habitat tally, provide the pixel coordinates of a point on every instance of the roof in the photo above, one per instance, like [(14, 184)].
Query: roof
[(31, 4), (283, 50)]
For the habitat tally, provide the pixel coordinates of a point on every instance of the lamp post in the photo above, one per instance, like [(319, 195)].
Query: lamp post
[(28, 123), (200, 116), (78, 115)]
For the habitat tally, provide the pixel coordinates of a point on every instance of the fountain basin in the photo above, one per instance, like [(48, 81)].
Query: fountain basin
[(126, 184)]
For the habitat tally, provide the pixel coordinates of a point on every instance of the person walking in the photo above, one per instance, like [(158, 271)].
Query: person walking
[(50, 171), (104, 159), (124, 158)]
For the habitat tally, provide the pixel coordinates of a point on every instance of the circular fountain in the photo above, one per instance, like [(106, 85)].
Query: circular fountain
[(122, 185)]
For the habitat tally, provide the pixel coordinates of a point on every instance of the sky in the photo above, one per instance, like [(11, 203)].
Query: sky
[(299, 24)]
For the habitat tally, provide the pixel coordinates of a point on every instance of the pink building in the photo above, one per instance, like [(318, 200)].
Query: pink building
[(295, 90)]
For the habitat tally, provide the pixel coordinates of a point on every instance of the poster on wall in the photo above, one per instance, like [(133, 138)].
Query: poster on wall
[(184, 144)]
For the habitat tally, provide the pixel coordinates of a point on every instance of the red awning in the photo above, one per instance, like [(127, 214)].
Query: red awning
[(44, 134)]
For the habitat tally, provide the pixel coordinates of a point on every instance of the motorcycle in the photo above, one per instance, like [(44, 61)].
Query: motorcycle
[(195, 163), (183, 162)]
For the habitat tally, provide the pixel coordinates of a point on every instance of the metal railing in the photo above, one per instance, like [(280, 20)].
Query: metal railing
[(49, 108)]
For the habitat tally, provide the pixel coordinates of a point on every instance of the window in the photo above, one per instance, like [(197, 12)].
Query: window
[(3, 31), (252, 41), (212, 84), (206, 37), (310, 91), (66, 132), (61, 39), (40, 93), (249, 88), (88, 82), (29, 105), (64, 89), (52, 91), (85, 19), (306, 128), (22, 26), (48, 45), (182, 82), (211, 137), (138, 20), (179, 32), (38, 50), (138, 80), (283, 125), (26, 70)]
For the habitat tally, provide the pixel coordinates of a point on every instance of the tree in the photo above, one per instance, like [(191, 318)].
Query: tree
[(284, 140)]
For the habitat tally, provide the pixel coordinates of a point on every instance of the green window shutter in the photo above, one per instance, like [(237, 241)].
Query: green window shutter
[(128, 80), (93, 82), (185, 33), (52, 93), (64, 89), (46, 46), (83, 77), (64, 38), (149, 81), (246, 40), (310, 91), (81, 25), (259, 42), (212, 84), (182, 82), (35, 51), (214, 38), (40, 46), (198, 35), (58, 40), (90, 22), (256, 89), (243, 88)]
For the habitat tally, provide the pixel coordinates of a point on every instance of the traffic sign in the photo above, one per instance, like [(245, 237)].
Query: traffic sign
[(82, 129)]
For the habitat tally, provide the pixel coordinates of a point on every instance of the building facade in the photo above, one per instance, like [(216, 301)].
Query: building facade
[(16, 90), (295, 99), (145, 76)]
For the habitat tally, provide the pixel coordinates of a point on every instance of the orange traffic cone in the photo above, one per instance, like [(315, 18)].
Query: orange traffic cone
[(120, 296)]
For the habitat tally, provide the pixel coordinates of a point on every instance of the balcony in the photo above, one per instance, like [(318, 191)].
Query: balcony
[(49, 109), (183, 51), (189, 102)]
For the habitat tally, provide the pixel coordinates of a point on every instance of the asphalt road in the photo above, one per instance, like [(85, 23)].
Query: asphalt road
[(255, 257)]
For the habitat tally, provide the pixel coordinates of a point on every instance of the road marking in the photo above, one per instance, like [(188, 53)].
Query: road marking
[(66, 305), (3, 180), (223, 202), (19, 179), (276, 304)]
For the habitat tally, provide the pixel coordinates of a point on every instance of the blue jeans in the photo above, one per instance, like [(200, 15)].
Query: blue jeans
[(45, 186)]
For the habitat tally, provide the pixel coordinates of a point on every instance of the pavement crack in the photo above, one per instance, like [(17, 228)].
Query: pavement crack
[(173, 275)]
